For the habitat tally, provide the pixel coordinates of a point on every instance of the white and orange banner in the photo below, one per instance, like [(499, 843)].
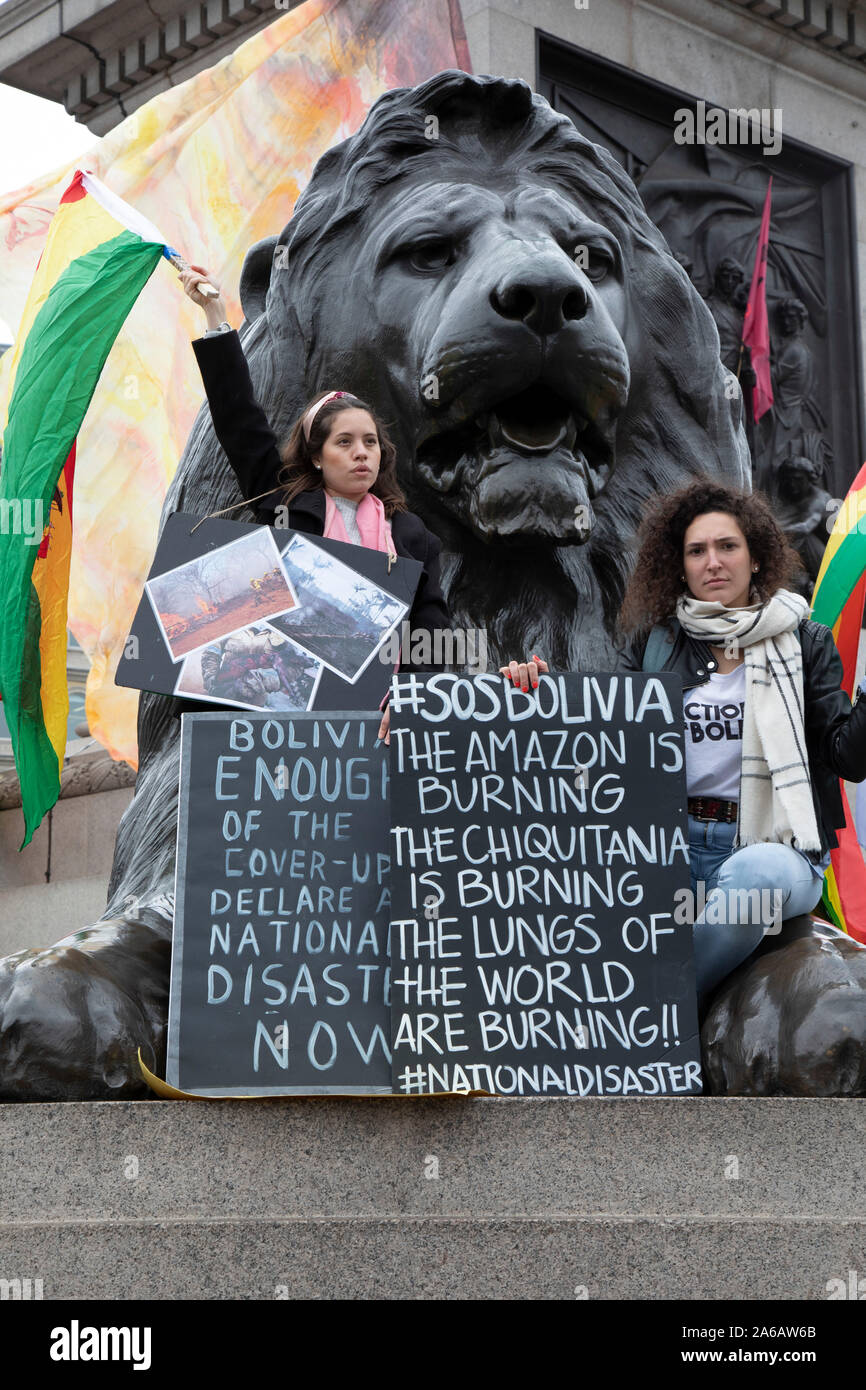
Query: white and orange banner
[(217, 163)]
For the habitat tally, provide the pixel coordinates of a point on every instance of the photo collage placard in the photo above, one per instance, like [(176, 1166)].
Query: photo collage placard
[(251, 625)]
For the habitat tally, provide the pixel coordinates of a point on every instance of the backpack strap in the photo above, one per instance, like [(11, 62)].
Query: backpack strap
[(657, 649)]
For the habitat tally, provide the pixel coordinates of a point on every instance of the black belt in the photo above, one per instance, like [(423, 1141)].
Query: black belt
[(712, 808)]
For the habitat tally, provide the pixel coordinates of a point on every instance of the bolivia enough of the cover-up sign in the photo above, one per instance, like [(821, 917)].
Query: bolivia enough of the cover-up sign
[(280, 963)]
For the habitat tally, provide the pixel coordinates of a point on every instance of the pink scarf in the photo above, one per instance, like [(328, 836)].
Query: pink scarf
[(375, 535), (375, 531)]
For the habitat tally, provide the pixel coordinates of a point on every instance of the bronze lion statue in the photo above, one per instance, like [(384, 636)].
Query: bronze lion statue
[(489, 279)]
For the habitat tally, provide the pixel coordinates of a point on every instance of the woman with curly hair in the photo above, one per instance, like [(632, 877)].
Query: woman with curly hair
[(768, 729)]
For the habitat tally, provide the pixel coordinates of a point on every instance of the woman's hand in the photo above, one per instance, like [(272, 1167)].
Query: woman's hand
[(522, 672), (215, 309), (385, 727)]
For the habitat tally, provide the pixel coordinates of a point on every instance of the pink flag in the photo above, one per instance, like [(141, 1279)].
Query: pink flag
[(756, 327)]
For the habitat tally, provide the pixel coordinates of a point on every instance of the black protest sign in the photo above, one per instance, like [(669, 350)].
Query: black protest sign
[(260, 617), (539, 864), (280, 963)]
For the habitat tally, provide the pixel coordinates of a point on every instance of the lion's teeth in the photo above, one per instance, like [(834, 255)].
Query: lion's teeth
[(536, 439)]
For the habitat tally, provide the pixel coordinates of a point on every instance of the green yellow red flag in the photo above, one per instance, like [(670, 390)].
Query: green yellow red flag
[(98, 255), (837, 601)]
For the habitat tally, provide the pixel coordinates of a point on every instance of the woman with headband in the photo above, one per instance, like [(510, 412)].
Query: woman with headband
[(336, 472)]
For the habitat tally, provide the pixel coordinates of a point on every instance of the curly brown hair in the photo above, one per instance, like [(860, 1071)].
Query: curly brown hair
[(656, 582), (300, 474)]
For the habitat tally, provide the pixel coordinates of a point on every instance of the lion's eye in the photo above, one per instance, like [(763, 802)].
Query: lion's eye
[(432, 255), (596, 264)]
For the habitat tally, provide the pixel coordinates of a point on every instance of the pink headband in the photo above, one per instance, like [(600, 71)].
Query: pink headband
[(314, 410)]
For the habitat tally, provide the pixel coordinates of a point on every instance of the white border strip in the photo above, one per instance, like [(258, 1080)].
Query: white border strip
[(132, 220)]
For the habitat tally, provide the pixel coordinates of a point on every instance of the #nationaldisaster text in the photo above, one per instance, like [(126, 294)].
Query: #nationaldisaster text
[(651, 1079)]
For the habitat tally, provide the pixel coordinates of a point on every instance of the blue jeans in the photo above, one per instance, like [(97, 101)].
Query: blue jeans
[(735, 917)]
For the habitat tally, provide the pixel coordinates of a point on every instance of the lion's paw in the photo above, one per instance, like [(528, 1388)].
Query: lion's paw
[(73, 1015), (791, 1022)]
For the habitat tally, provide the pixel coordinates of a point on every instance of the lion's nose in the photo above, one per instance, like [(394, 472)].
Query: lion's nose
[(544, 302)]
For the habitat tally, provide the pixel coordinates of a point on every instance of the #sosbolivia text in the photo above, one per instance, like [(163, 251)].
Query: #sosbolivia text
[(485, 698)]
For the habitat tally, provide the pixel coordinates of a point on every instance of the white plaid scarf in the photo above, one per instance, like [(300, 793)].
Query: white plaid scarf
[(775, 786)]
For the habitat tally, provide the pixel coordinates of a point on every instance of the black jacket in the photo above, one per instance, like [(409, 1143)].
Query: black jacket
[(251, 448), (835, 730)]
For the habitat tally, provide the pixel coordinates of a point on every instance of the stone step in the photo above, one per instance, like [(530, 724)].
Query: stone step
[(480, 1257), (703, 1198)]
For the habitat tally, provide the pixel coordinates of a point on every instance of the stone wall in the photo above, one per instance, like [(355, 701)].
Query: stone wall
[(59, 883)]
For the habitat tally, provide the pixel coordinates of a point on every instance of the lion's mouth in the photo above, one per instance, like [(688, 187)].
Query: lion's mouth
[(540, 422), (534, 440)]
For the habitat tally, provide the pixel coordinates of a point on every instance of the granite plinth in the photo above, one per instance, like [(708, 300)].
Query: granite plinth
[(634, 1199)]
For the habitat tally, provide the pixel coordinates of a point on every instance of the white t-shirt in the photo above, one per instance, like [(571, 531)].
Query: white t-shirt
[(713, 715), (349, 512)]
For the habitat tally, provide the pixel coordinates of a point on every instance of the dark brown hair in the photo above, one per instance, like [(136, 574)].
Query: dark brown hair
[(656, 582), (300, 474)]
